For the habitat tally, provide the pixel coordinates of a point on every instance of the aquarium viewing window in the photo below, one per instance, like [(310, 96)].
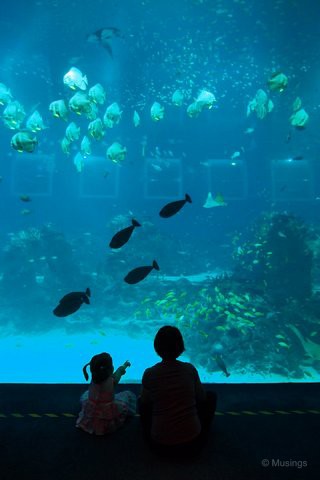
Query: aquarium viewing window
[(32, 175), (163, 178), (100, 180), (228, 177), (292, 180), (146, 180)]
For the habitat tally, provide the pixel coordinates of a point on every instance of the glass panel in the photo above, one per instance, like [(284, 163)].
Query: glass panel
[(207, 112)]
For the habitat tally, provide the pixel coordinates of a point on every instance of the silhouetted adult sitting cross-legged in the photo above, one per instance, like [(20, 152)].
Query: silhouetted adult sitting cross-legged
[(176, 411)]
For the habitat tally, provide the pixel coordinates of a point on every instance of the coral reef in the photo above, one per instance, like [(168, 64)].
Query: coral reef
[(36, 264), (277, 258)]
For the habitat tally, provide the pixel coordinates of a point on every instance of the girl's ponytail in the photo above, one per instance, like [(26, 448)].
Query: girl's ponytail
[(85, 373)]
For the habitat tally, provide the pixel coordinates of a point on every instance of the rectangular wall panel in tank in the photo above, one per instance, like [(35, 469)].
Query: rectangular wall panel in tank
[(163, 178), (292, 180), (32, 174), (99, 178), (228, 177)]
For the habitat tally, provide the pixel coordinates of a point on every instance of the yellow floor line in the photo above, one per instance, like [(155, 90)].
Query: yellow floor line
[(217, 413)]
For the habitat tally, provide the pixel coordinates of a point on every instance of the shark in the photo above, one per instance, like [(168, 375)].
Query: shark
[(103, 36)]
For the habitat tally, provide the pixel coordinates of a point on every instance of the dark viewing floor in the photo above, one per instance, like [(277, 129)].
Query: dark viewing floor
[(276, 422)]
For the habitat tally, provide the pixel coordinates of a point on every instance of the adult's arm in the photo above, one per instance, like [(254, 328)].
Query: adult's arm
[(145, 393), (199, 390)]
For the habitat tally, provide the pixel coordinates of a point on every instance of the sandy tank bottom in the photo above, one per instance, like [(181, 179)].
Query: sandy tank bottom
[(58, 357)]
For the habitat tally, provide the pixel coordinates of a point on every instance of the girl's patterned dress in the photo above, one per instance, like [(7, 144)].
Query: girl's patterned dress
[(104, 412)]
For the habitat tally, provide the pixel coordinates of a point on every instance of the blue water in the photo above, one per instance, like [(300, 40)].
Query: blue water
[(241, 280)]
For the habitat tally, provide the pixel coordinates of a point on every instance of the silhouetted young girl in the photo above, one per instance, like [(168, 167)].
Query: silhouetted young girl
[(103, 411)]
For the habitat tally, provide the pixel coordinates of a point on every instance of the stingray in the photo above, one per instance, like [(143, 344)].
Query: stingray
[(217, 201), (103, 36), (311, 349)]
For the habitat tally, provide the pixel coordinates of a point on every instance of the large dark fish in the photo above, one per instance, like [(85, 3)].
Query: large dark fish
[(103, 37), (120, 238), (173, 207), (71, 302), (221, 365), (138, 274)]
